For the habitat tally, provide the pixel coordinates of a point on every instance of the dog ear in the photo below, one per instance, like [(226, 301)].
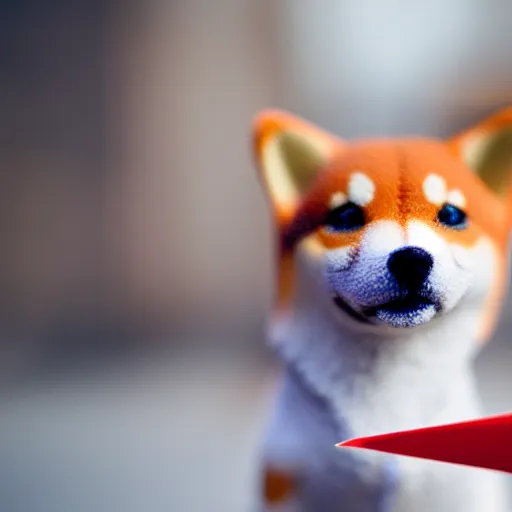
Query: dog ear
[(487, 149), (290, 153)]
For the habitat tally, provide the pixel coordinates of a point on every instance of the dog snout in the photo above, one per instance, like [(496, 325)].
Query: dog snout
[(410, 267)]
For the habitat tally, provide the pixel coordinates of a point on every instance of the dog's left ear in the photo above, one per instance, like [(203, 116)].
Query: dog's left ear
[(487, 149)]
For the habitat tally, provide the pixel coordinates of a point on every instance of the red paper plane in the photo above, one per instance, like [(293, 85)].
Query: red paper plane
[(484, 443)]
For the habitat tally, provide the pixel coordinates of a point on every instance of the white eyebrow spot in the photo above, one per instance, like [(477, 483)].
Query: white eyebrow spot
[(457, 198), (361, 189), (434, 188), (337, 199)]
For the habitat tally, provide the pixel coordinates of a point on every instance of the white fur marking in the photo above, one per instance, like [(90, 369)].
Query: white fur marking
[(457, 198), (461, 255), (361, 189), (337, 199), (382, 238), (421, 235), (434, 188)]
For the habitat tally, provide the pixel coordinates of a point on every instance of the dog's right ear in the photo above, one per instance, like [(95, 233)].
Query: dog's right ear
[(290, 152)]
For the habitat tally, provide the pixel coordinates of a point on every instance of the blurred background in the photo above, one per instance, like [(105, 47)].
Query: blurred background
[(136, 262)]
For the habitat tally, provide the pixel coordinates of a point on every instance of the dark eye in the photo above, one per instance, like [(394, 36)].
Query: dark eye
[(452, 217), (347, 217)]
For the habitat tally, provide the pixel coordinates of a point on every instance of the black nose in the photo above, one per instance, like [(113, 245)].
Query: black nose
[(410, 267)]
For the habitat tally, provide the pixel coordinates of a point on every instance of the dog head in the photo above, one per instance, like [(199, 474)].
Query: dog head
[(395, 232)]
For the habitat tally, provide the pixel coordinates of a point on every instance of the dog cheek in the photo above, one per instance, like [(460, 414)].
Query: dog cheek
[(339, 266), (339, 260), (462, 256), (449, 280)]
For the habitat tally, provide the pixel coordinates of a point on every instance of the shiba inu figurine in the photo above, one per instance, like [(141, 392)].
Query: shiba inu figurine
[(392, 264)]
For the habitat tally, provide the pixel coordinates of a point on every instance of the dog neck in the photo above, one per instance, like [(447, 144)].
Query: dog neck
[(377, 380)]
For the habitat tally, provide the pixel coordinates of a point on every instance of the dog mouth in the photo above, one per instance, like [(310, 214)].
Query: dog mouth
[(410, 310)]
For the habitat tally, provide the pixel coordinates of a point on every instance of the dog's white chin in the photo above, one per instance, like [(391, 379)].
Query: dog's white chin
[(404, 319)]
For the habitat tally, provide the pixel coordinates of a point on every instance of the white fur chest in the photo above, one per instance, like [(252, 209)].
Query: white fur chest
[(376, 385)]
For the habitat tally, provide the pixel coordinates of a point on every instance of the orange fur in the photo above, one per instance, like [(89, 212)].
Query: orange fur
[(278, 486)]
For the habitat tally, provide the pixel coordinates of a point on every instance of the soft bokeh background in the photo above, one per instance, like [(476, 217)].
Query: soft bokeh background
[(136, 270)]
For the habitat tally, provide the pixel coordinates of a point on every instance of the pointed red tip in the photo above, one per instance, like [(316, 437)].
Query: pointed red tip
[(357, 442), (484, 443)]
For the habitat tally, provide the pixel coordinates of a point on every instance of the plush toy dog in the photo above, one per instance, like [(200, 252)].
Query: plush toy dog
[(392, 263)]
